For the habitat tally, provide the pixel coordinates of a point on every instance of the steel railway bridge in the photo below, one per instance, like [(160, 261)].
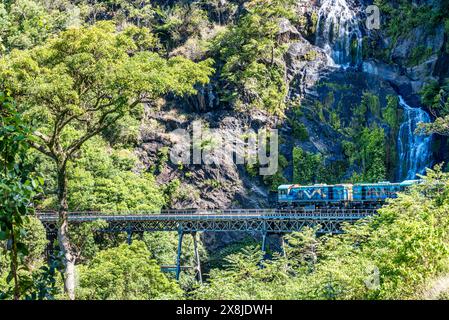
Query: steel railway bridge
[(262, 221)]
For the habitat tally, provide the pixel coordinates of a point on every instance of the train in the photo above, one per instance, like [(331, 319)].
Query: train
[(340, 195)]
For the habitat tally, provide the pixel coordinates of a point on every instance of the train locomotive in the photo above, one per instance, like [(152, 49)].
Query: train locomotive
[(340, 195)]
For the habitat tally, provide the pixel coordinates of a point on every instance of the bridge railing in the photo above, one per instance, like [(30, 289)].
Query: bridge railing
[(194, 214)]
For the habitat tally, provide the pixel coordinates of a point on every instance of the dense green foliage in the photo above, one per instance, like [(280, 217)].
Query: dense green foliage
[(103, 179), (436, 98), (370, 155), (391, 115), (26, 23), (404, 16), (252, 69), (244, 278), (82, 82), (24, 236), (367, 133), (364, 143), (69, 80), (125, 272), (306, 166)]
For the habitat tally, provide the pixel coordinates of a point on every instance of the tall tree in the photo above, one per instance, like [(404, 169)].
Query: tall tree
[(250, 56), (80, 83)]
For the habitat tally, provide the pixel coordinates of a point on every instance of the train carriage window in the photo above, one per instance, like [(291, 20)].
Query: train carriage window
[(339, 193)]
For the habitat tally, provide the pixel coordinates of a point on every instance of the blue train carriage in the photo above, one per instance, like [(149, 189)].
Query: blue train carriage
[(374, 193), (377, 193), (343, 192), (313, 194), (285, 198), (317, 194), (358, 195)]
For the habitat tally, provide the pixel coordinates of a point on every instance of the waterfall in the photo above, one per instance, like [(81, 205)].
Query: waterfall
[(338, 33), (413, 149)]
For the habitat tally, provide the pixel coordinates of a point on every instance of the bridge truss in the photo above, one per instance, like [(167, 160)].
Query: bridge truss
[(262, 221)]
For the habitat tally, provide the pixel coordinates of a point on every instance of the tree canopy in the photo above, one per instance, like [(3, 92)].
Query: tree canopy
[(79, 83)]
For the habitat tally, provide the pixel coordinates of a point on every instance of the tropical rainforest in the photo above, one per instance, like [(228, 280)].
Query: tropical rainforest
[(91, 89)]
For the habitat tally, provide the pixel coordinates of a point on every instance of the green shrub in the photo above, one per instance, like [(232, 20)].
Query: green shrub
[(305, 166)]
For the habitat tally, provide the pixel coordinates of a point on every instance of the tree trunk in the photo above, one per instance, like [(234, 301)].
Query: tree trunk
[(68, 258), (14, 264)]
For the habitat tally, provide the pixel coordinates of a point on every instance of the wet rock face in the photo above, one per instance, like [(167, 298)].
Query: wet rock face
[(304, 63), (413, 59), (287, 31), (204, 101), (432, 40), (396, 76), (423, 42)]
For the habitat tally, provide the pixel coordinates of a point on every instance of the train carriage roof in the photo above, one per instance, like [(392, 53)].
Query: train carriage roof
[(348, 185), (409, 182), (285, 186), (373, 184), (387, 183), (291, 186)]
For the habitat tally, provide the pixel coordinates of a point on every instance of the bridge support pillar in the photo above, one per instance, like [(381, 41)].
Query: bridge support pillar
[(129, 237), (197, 258), (178, 256), (284, 253), (264, 241), (50, 249), (264, 238)]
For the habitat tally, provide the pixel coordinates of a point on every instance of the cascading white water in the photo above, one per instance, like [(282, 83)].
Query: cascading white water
[(338, 33), (413, 149)]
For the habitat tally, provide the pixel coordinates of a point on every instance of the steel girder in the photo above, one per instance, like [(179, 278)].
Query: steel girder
[(216, 224)]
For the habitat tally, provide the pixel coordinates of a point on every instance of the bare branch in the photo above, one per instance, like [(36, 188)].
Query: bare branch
[(99, 126), (43, 150), (42, 136)]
